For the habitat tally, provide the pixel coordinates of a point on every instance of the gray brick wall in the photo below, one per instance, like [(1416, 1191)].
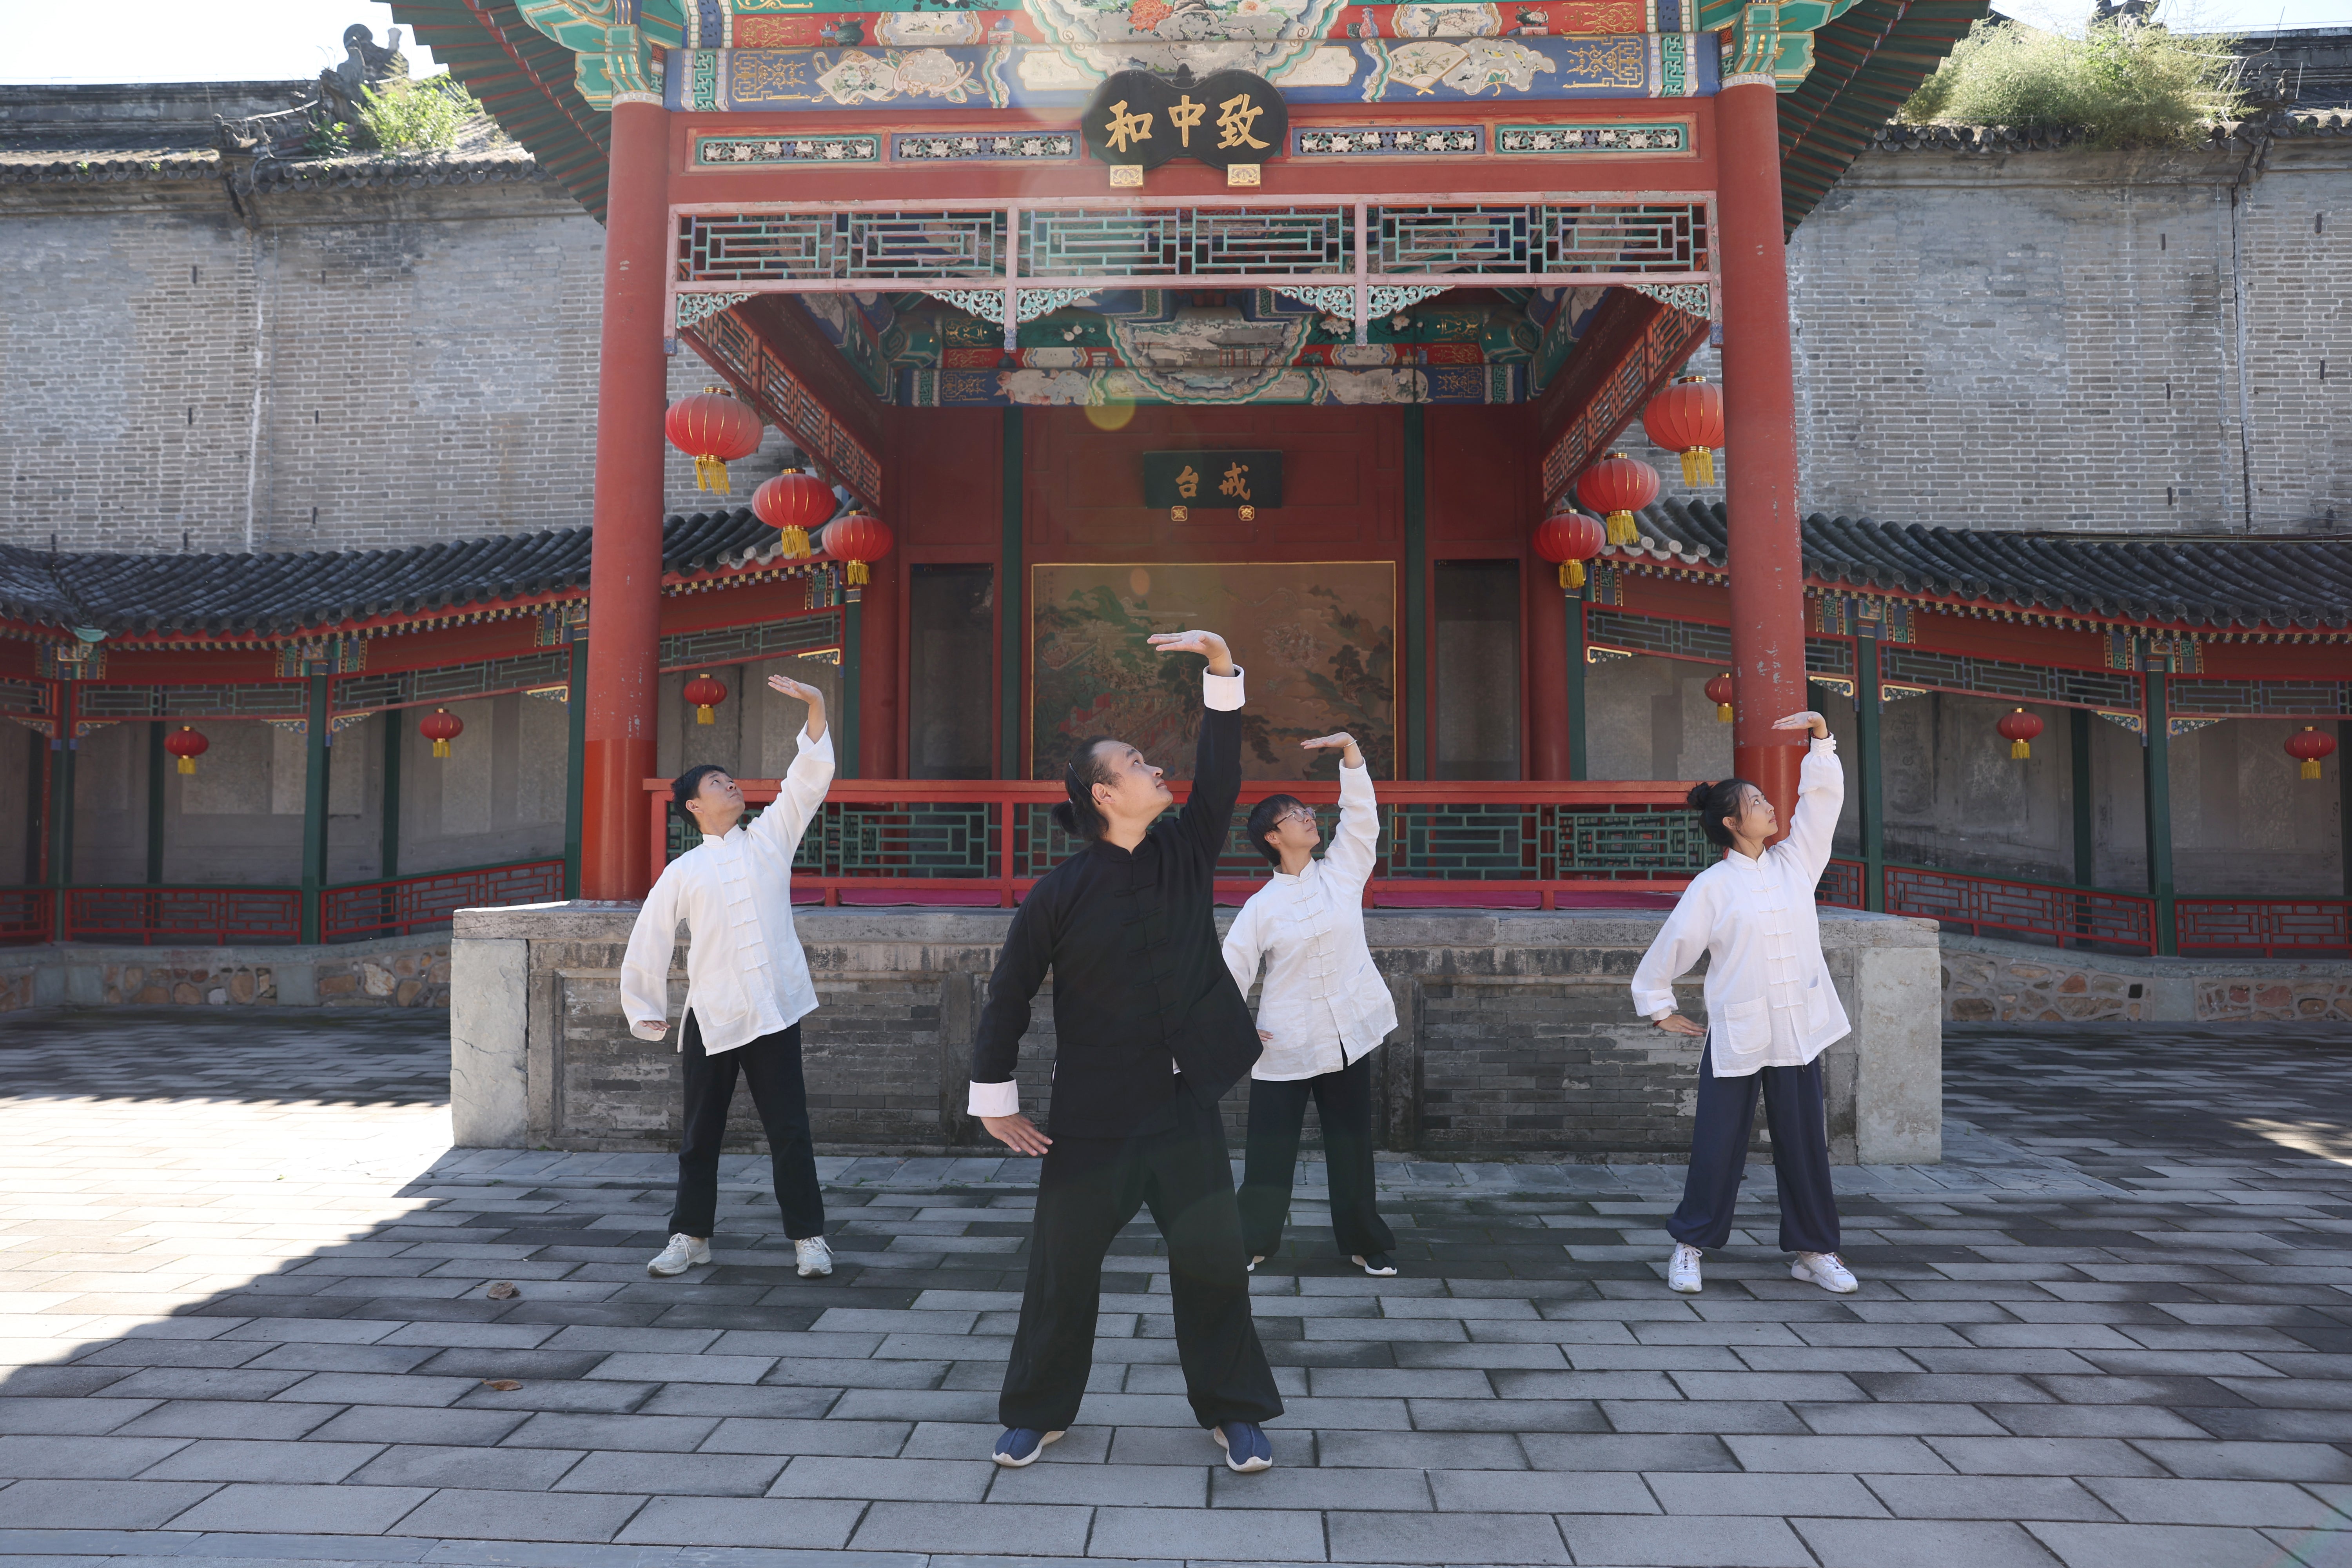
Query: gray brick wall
[(366, 369), (2057, 340)]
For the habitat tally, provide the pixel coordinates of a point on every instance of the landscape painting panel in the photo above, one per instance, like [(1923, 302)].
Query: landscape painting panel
[(1318, 639)]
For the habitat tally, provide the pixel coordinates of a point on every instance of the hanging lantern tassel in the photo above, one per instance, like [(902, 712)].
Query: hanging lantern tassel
[(2308, 745), (854, 541), (441, 727), (2020, 727), (1718, 691), (1570, 539), (705, 694), (187, 745), (1618, 487), (713, 430), (1687, 417)]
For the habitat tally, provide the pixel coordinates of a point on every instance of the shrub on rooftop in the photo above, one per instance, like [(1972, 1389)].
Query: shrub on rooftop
[(426, 116), (2124, 83)]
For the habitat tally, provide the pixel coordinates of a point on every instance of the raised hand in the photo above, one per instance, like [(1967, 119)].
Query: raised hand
[(785, 686), (1353, 756), (1220, 657), (1808, 719)]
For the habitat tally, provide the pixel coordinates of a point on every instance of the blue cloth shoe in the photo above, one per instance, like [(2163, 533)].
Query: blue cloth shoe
[(1020, 1446), (1245, 1447)]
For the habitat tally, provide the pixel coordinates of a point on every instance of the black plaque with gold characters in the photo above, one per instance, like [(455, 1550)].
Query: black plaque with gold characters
[(1127, 122), (1226, 117), (1246, 120), (1224, 480)]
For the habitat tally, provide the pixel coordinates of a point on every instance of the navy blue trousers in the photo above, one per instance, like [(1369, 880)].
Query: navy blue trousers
[(1800, 1156)]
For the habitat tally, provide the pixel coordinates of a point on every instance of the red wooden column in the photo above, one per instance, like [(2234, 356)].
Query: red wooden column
[(625, 566), (1760, 403)]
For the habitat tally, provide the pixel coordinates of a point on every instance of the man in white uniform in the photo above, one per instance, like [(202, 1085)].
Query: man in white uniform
[(747, 989)]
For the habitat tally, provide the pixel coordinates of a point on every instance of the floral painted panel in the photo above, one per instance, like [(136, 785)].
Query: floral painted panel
[(1317, 639)]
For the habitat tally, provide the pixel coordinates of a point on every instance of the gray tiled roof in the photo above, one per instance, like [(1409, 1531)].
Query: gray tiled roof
[(2279, 582), (279, 594)]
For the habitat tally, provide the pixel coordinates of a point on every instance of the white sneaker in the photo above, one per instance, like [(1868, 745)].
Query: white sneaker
[(815, 1257), (1682, 1269), (1826, 1269), (682, 1253), (1253, 1265)]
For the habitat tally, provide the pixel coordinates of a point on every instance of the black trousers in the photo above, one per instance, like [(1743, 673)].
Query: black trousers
[(1800, 1156), (1343, 1104), (771, 1066), (1088, 1188)]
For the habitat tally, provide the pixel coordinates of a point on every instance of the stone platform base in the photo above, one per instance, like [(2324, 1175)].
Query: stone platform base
[(1517, 1035), (1987, 980), (391, 972)]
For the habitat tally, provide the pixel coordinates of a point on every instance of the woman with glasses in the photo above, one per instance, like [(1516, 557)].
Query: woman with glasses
[(1323, 1007)]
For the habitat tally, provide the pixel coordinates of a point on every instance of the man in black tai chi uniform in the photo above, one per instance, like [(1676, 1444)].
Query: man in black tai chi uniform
[(1150, 1032)]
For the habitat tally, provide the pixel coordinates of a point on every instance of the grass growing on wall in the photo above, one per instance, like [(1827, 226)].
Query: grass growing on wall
[(2126, 83), (426, 116)]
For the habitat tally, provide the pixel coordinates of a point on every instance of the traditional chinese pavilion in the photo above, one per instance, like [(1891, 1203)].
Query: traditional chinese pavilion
[(1293, 318)]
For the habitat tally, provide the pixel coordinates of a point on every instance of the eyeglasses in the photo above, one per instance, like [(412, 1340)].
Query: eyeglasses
[(1305, 813)]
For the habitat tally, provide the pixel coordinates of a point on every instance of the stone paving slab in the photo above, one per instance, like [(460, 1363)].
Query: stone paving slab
[(244, 1319)]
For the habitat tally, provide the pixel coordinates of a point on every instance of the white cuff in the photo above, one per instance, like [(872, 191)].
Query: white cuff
[(1655, 1006), (1222, 692), (1825, 746), (994, 1099), (649, 1030), (823, 743)]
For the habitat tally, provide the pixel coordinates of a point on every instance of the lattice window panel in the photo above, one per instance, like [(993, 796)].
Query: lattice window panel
[(1640, 238), (2248, 699), (26, 695), (735, 645), (1841, 885), (366, 693), (1658, 843), (2276, 926), (289, 698), (954, 838), (1650, 633), (1174, 242), (1828, 656), (882, 246), (1999, 678)]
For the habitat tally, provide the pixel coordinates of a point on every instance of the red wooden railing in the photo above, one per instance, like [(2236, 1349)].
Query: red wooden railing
[(2288, 928), (1647, 814), (2069, 916), (191, 917), (26, 915), (400, 906)]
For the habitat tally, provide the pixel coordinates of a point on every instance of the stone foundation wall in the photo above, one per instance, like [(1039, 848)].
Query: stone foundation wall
[(1987, 980), (396, 971), (1516, 1034)]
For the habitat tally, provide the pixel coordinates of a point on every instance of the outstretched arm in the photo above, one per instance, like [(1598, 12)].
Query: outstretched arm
[(1208, 814), (1821, 792), (1354, 845), (811, 774)]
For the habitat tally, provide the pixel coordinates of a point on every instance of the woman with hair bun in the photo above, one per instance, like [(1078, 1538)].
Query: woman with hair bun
[(1771, 1011)]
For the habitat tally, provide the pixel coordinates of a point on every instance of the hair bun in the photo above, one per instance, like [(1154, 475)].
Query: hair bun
[(1063, 817), (1696, 799)]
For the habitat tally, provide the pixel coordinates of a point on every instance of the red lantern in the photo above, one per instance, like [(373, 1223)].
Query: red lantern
[(1687, 417), (1618, 486), (1570, 539), (715, 430), (2019, 728), (795, 503), (2307, 745), (857, 539), (705, 694), (1718, 691), (187, 745), (441, 727)]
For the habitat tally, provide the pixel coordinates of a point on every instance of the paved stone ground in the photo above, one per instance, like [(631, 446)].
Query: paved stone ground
[(244, 1309)]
